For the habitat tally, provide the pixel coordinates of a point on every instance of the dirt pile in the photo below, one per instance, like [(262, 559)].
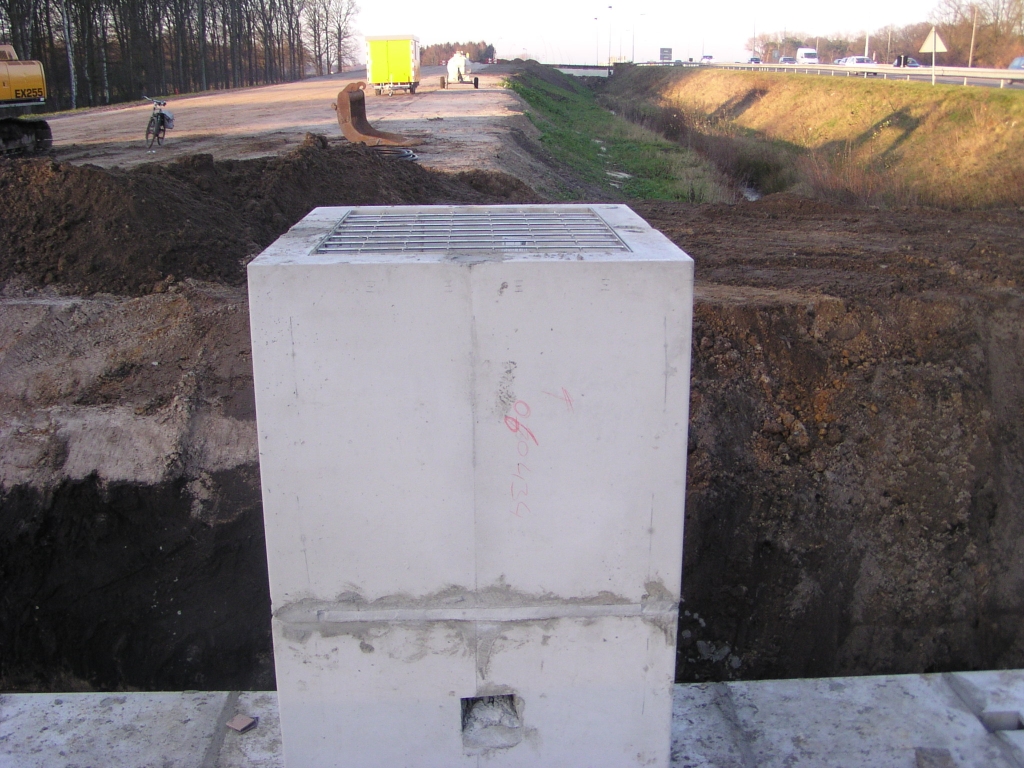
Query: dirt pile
[(90, 229)]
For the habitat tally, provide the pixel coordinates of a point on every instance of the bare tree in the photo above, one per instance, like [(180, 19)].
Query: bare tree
[(102, 51), (317, 17), (342, 15), (999, 35)]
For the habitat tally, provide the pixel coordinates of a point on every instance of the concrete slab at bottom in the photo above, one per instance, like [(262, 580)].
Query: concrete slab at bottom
[(899, 721)]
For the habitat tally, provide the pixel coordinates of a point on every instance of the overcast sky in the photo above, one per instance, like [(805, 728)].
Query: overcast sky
[(554, 31)]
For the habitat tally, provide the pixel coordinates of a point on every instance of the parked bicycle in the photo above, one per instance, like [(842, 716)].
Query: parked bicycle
[(160, 122)]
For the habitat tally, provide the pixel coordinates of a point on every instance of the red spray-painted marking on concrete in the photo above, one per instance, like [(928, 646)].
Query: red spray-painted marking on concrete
[(519, 488), (565, 397)]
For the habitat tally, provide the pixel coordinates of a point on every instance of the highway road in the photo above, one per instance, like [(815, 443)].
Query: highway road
[(990, 78)]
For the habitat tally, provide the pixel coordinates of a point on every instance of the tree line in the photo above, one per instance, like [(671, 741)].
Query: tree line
[(439, 53), (987, 33), (104, 51)]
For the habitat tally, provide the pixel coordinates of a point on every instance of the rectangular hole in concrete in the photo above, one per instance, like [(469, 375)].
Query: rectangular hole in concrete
[(491, 722), (1000, 720)]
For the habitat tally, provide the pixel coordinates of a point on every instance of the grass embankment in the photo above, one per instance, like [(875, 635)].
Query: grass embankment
[(873, 140), (609, 151)]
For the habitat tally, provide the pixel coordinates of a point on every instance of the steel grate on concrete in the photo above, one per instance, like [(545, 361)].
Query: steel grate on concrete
[(455, 230)]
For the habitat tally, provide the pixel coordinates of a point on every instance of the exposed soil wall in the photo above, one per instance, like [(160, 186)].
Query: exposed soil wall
[(131, 540), (117, 585), (854, 487)]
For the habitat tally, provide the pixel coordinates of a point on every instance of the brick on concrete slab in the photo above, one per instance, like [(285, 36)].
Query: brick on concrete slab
[(260, 747)]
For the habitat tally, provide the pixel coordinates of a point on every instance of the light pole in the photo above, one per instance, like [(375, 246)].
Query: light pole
[(974, 32), (632, 56), (597, 43), (609, 41)]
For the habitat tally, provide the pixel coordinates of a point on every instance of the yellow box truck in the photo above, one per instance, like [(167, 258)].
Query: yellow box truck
[(393, 63)]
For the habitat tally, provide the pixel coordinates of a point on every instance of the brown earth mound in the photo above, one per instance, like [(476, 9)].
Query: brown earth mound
[(90, 229)]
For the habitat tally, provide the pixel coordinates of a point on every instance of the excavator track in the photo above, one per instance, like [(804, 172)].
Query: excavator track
[(22, 137)]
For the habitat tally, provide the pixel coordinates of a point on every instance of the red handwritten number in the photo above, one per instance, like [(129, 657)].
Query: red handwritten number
[(515, 425), (524, 491), (565, 397), (518, 509), (519, 487)]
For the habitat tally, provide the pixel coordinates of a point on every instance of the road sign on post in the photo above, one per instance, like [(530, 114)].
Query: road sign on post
[(666, 54), (934, 44)]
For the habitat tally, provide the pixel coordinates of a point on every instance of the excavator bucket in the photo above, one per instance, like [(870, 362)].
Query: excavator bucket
[(351, 109)]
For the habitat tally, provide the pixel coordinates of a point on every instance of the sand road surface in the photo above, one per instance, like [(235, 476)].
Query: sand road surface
[(460, 128)]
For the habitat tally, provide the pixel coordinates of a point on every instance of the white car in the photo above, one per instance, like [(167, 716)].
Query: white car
[(860, 61)]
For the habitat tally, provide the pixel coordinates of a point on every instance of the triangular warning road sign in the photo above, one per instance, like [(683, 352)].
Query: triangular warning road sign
[(933, 43)]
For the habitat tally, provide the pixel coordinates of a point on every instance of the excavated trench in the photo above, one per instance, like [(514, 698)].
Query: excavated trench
[(856, 436), (118, 585), (854, 488)]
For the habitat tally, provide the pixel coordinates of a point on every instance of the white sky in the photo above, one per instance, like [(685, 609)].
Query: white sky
[(565, 32)]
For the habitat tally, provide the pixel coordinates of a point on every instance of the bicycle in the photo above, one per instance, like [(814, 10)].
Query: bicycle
[(159, 123)]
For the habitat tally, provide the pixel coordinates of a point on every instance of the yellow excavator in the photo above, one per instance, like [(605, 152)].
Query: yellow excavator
[(22, 84)]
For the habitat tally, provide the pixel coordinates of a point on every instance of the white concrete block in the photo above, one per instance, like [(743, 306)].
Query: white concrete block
[(461, 444)]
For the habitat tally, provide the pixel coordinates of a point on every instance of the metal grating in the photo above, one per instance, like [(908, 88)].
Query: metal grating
[(501, 229)]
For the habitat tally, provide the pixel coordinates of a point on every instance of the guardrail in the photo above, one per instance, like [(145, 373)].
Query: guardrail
[(887, 72)]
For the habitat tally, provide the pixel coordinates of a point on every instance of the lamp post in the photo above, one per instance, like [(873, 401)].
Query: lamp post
[(974, 32), (632, 56), (597, 43), (609, 41)]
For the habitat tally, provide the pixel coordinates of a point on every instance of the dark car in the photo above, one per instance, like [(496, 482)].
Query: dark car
[(753, 60), (906, 61), (1017, 63)]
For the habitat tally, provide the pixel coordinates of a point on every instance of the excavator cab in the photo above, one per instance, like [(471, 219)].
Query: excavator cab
[(22, 85)]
